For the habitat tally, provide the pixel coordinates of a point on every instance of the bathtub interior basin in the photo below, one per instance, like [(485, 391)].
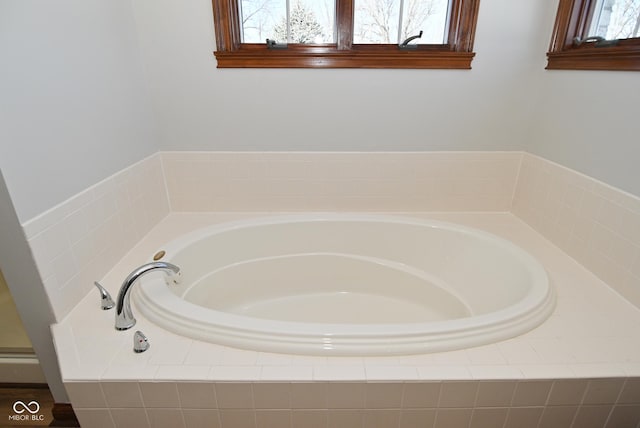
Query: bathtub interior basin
[(347, 284), (326, 288)]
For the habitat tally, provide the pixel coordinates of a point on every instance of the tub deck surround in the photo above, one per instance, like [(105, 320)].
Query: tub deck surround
[(580, 368), (73, 243), (591, 334)]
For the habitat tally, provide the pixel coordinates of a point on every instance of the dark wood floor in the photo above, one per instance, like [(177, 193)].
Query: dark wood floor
[(12, 394)]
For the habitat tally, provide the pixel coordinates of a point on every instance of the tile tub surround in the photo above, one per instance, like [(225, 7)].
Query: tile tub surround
[(571, 366), (341, 181), (79, 240), (594, 223), (583, 403)]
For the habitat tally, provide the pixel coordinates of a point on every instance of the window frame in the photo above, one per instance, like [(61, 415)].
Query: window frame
[(572, 20), (457, 54)]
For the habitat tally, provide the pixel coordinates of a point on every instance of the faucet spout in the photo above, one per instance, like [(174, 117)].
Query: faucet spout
[(124, 316)]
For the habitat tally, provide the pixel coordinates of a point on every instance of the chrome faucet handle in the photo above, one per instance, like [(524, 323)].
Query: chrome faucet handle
[(106, 302), (140, 342)]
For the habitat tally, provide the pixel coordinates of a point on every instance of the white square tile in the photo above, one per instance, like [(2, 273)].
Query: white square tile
[(197, 395), (309, 395), (272, 395), (444, 373), (172, 352), (630, 369), (552, 350), (494, 372), (286, 373), (546, 371), (485, 355), (391, 373), (453, 418), (198, 418), (56, 240), (85, 394), (65, 267), (567, 392), (604, 370), (130, 418), (415, 360), (203, 354), (165, 418), (159, 394), (237, 357), (234, 395), (309, 360), (235, 373), (98, 418), (495, 393), (352, 361), (421, 394), (269, 359), (273, 418), (119, 372), (379, 361), (451, 358), (487, 417), (518, 352), (176, 373), (383, 395), (309, 418), (458, 394), (339, 373), (531, 393), (122, 394), (347, 419), (346, 395)]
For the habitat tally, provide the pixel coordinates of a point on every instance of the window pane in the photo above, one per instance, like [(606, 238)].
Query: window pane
[(393, 21), (376, 21), (288, 21), (258, 17), (616, 19)]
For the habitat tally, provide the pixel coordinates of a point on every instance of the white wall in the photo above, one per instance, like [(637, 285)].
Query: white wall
[(25, 285), (590, 122), (73, 110), (204, 108), (583, 119), (74, 107), (587, 120)]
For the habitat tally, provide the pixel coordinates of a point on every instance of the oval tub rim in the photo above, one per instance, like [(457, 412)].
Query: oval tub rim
[(159, 304)]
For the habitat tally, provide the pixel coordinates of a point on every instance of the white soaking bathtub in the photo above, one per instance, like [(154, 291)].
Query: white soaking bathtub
[(347, 284)]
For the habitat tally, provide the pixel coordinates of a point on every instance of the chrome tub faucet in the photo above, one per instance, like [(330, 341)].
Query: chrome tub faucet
[(124, 317), (106, 302)]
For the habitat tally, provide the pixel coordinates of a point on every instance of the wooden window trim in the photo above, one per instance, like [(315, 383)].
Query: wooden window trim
[(457, 54), (572, 21)]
